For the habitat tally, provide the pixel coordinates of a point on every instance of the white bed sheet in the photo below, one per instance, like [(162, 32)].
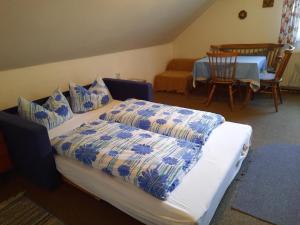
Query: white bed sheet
[(194, 201), (79, 119)]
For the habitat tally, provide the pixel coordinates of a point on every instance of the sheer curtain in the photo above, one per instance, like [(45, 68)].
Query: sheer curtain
[(289, 22), (290, 34), (298, 34)]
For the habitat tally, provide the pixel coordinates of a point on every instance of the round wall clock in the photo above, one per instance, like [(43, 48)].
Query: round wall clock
[(242, 14)]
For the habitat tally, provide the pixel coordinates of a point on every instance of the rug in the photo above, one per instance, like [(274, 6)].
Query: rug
[(269, 187), (20, 210)]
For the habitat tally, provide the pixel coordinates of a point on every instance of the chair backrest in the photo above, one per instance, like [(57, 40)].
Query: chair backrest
[(181, 64), (284, 61), (222, 65), (270, 50)]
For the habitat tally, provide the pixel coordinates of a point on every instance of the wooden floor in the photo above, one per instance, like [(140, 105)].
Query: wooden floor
[(76, 207)]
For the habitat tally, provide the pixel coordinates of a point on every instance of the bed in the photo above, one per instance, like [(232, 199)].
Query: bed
[(194, 201), (191, 202)]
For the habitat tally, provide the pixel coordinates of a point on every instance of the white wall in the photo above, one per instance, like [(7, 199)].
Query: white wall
[(220, 25), (39, 81), (36, 32)]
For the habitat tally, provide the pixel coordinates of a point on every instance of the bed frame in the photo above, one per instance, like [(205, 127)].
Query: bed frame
[(28, 142)]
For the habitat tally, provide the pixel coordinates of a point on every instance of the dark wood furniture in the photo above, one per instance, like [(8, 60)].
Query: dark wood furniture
[(222, 68), (272, 80), (5, 162), (273, 52)]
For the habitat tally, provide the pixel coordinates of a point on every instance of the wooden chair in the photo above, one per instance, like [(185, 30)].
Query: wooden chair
[(272, 80), (222, 69)]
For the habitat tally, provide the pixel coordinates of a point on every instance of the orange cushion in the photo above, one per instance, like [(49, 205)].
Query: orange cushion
[(179, 81)]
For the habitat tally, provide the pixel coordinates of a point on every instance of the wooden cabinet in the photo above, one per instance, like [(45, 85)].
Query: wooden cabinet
[(5, 162)]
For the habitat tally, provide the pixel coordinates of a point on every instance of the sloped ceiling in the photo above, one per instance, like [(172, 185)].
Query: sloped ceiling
[(42, 31)]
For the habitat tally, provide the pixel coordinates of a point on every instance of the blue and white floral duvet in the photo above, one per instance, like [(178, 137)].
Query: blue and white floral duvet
[(153, 162), (182, 123)]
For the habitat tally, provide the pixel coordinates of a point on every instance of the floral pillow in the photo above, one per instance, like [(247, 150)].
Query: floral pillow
[(83, 100), (53, 113), (59, 104)]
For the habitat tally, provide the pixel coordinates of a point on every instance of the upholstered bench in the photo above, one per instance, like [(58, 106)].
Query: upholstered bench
[(177, 77)]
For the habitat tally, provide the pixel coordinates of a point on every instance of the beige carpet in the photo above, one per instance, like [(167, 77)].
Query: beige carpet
[(75, 207)]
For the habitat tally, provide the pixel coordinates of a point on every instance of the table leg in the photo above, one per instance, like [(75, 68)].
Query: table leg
[(248, 96)]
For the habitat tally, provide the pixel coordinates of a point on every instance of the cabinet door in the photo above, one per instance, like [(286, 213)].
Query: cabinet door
[(5, 162)]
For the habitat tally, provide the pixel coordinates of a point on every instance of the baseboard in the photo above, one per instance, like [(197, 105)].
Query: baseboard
[(290, 89)]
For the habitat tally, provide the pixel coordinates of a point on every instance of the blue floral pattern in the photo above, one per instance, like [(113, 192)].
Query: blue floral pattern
[(146, 113), (66, 146), (124, 135), (154, 183), (185, 111), (87, 132), (124, 170), (53, 112), (187, 124), (161, 121), (153, 162), (145, 135), (59, 104), (58, 97), (88, 105), (86, 154), (105, 137), (142, 149), (170, 160), (113, 153), (41, 115), (144, 124), (197, 126), (62, 110), (83, 100)]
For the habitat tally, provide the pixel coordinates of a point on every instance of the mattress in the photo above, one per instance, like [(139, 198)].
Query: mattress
[(194, 201)]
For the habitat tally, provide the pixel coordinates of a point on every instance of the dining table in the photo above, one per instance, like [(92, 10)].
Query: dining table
[(248, 69)]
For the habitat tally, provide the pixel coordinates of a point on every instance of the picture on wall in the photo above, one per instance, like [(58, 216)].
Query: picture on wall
[(268, 3)]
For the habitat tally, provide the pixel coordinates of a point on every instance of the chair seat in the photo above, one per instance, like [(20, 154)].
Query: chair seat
[(170, 80), (201, 78), (175, 74), (267, 76)]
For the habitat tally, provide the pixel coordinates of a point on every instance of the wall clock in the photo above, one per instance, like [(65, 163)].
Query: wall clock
[(242, 14)]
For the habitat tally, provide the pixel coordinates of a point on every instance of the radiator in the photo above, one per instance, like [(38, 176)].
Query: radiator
[(291, 76)]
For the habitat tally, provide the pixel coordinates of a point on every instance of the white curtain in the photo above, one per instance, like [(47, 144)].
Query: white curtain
[(289, 22), (290, 34)]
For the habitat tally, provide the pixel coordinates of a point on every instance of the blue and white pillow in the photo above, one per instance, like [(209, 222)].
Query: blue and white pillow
[(53, 113), (83, 100), (59, 104)]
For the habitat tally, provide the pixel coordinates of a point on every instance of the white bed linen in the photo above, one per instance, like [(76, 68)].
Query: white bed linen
[(79, 119), (194, 201)]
